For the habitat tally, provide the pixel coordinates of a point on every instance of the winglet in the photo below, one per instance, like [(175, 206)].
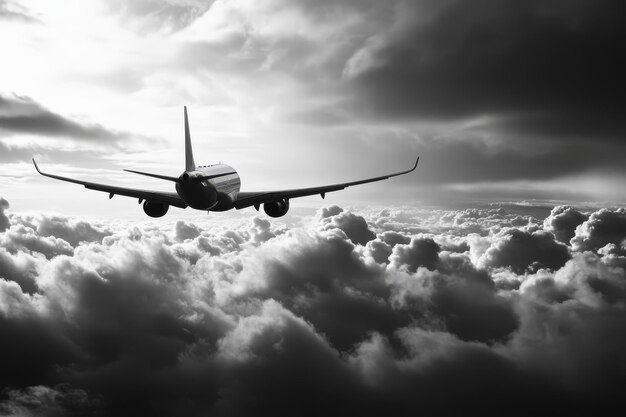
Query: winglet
[(36, 166), (190, 165)]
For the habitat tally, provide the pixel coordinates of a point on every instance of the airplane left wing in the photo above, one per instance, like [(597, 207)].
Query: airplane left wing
[(247, 199), (163, 197)]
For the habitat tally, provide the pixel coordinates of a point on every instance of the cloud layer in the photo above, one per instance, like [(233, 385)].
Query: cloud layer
[(473, 310)]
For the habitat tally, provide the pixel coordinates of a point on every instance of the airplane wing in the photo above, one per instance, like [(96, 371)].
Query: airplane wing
[(247, 199), (163, 197)]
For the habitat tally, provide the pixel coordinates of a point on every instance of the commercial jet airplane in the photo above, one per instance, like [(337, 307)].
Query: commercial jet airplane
[(212, 188)]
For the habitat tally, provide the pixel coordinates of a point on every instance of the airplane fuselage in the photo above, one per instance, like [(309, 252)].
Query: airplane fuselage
[(216, 194)]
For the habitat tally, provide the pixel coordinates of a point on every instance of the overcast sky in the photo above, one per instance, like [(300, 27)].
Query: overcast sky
[(503, 100)]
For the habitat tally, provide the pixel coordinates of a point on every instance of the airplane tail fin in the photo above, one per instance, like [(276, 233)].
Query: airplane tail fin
[(190, 165)]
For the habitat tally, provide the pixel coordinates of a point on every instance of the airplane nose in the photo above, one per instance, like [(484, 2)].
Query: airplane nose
[(185, 176)]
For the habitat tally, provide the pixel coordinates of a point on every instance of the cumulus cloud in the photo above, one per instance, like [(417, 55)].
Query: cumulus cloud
[(604, 227), (354, 226), (184, 231), (261, 231), (197, 320), (72, 231), (24, 238), (523, 251), (420, 252), (563, 221)]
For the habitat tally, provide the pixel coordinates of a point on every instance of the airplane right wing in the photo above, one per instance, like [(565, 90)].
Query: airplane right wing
[(247, 199), (160, 196)]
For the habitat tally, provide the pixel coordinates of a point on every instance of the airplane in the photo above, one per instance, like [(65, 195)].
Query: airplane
[(212, 188)]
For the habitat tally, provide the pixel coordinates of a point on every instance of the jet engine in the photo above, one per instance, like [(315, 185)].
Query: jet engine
[(276, 208), (154, 209)]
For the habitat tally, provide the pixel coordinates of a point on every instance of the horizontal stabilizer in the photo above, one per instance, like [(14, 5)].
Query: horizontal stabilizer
[(161, 177), (209, 177)]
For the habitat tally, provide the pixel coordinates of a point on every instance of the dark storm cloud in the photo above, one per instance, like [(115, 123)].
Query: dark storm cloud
[(458, 59), (472, 162), (259, 318), (19, 114)]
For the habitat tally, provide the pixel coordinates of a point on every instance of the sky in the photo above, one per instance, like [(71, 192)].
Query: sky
[(490, 281), (504, 102)]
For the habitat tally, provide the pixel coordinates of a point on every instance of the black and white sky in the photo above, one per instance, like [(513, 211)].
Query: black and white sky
[(504, 100), (492, 280)]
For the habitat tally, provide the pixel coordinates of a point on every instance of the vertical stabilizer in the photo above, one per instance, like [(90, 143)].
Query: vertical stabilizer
[(190, 165)]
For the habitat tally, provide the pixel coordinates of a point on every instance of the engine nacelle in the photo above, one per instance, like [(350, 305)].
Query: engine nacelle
[(276, 208), (154, 209)]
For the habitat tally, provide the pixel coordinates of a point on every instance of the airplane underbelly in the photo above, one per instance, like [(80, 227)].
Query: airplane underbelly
[(200, 195)]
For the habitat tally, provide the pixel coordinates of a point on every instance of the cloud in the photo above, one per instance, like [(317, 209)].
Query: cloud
[(158, 15), (420, 252), (4, 220), (13, 11), (562, 222), (41, 400), (604, 227), (196, 318), (457, 297), (455, 59), (23, 115), (72, 231), (184, 231), (523, 251), (355, 227), (23, 238), (20, 268), (261, 231)]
